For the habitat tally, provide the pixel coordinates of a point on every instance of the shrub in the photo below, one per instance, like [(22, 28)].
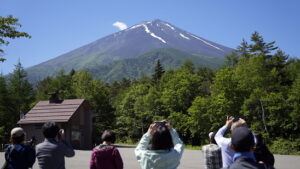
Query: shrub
[(283, 146)]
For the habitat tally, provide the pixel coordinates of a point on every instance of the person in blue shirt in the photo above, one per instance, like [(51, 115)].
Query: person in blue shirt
[(242, 143), (18, 155), (224, 143), (160, 147)]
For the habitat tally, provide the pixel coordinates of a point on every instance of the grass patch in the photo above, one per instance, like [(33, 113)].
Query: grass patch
[(190, 147), (126, 143), (186, 146)]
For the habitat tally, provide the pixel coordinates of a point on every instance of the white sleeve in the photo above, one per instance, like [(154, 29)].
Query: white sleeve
[(178, 144), (143, 145), (220, 139)]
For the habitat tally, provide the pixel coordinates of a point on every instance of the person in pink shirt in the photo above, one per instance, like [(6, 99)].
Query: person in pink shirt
[(106, 156)]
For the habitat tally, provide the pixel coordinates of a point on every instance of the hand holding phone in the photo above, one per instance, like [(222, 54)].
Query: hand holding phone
[(61, 135)]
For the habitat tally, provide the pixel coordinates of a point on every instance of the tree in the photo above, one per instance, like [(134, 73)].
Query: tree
[(260, 46), (200, 118), (188, 66), (5, 111), (207, 75), (131, 112), (227, 97), (278, 64), (82, 84), (243, 49), (44, 88), (158, 72), (61, 83), (20, 90), (179, 89), (294, 102), (118, 87), (16, 96), (232, 59), (104, 117), (97, 93), (8, 29)]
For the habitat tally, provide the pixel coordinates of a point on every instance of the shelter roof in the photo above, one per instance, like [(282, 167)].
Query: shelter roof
[(44, 111)]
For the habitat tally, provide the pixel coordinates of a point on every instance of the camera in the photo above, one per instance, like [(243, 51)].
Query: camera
[(235, 119), (32, 141), (161, 123)]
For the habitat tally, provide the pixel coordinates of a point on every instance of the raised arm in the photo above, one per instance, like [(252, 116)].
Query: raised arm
[(66, 147), (219, 137), (178, 144), (144, 143)]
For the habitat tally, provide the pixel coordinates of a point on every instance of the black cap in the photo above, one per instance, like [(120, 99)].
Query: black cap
[(242, 139)]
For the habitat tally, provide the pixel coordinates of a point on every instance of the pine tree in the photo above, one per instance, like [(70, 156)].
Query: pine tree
[(260, 46), (4, 111), (20, 90), (158, 72), (243, 49)]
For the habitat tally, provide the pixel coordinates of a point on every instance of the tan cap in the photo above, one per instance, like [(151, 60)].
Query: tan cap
[(17, 132)]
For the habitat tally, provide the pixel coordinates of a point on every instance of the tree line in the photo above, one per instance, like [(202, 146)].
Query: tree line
[(258, 82)]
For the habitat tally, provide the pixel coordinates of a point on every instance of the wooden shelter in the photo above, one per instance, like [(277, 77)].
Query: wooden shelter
[(74, 116)]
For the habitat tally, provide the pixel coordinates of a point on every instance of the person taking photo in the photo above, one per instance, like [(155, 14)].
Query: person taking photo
[(160, 147)]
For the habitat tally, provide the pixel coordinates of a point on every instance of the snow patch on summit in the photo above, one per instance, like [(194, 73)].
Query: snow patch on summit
[(152, 34), (209, 44), (170, 26), (185, 37), (136, 26)]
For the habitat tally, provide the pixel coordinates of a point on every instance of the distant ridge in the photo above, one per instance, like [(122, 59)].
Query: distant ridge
[(110, 57)]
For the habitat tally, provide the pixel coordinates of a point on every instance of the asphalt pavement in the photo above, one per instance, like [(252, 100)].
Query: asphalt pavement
[(192, 159)]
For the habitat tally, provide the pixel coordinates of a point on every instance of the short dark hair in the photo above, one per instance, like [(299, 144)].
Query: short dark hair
[(108, 136), (18, 140), (212, 138), (242, 139), (162, 139), (50, 129), (259, 139)]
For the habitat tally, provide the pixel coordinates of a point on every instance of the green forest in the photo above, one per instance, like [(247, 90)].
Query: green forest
[(258, 82)]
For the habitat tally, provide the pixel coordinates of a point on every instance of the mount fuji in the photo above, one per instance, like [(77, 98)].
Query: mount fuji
[(132, 52)]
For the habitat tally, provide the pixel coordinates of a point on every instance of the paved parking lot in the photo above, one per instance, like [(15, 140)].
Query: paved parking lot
[(192, 159)]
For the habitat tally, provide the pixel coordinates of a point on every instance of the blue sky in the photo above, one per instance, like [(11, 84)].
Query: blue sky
[(59, 26)]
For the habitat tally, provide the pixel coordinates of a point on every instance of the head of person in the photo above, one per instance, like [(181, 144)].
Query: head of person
[(211, 136), (238, 123), (259, 139), (242, 139), (50, 129), (108, 136), (162, 139), (17, 135)]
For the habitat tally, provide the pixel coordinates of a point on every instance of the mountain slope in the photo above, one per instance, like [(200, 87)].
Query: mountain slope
[(129, 43), (144, 65)]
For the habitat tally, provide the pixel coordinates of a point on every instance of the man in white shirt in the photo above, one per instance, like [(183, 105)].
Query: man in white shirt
[(224, 143)]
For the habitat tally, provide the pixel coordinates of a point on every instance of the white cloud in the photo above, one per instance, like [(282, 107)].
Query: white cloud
[(120, 25)]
